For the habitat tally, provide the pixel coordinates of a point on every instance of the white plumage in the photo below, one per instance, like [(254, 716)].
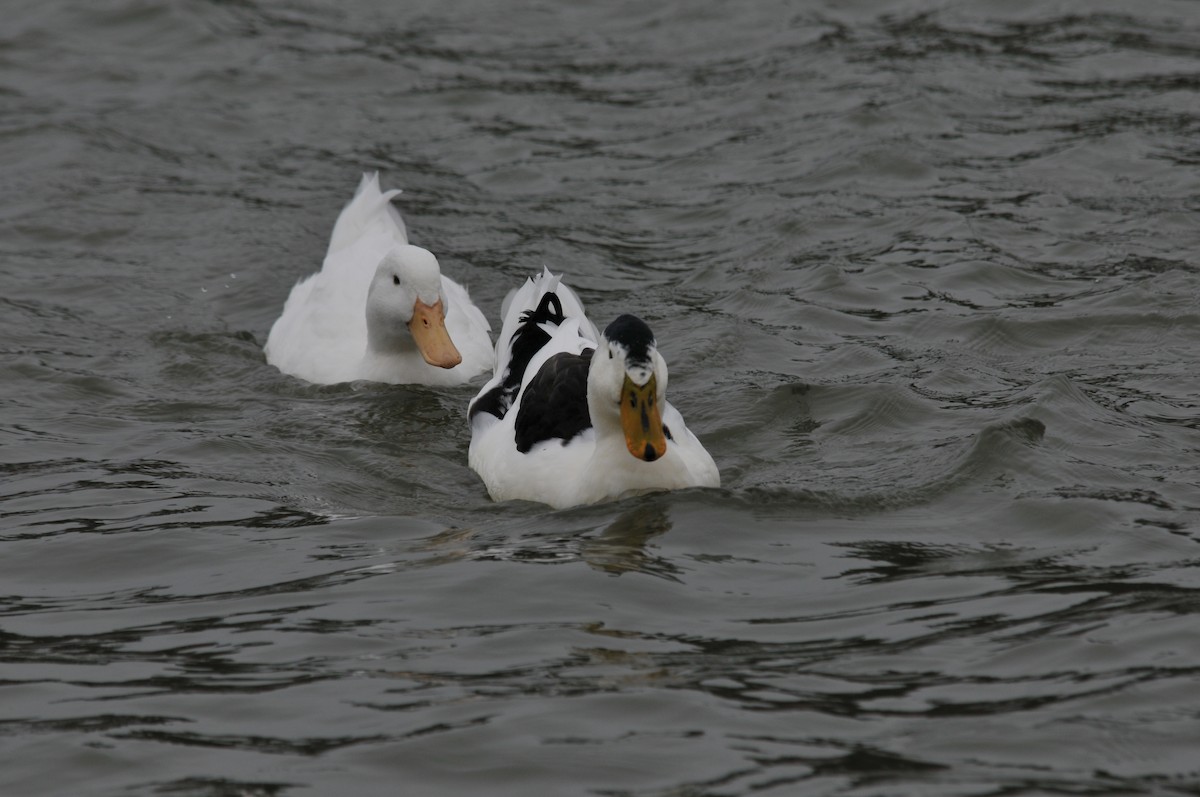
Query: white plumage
[(571, 416), (379, 308)]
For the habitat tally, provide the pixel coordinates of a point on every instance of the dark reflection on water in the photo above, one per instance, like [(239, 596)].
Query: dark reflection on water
[(619, 546), (925, 278)]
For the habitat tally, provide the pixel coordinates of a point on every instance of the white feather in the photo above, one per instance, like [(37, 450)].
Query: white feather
[(596, 464), (321, 336)]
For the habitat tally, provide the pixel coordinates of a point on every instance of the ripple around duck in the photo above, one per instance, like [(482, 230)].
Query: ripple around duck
[(1046, 446), (841, 438)]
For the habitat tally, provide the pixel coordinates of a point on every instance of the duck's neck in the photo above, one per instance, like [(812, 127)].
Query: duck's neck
[(614, 471), (391, 354), (605, 418), (386, 339)]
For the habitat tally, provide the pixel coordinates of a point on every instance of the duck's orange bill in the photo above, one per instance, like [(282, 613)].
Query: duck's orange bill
[(641, 420), (428, 327)]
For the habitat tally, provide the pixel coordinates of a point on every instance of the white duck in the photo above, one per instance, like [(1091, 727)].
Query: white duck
[(574, 417), (379, 308)]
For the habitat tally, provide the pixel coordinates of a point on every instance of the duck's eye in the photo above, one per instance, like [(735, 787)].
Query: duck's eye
[(610, 354), (395, 280)]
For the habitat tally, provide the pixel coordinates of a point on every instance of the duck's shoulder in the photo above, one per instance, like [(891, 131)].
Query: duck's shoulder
[(554, 403)]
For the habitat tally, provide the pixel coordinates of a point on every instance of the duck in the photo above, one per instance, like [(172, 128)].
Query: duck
[(573, 416), (379, 309)]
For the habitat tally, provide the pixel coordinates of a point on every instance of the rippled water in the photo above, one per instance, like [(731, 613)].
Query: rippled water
[(926, 277)]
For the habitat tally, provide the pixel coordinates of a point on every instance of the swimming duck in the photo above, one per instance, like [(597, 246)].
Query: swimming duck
[(572, 416), (379, 308)]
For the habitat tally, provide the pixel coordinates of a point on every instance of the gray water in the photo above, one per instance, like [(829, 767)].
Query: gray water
[(926, 277)]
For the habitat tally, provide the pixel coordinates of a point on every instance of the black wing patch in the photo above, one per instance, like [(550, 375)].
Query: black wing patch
[(526, 342), (554, 404)]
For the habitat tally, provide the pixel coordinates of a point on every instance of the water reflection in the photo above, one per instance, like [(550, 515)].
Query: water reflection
[(620, 545)]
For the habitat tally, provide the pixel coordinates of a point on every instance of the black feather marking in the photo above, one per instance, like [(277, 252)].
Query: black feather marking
[(494, 402), (634, 334), (554, 405), (526, 341)]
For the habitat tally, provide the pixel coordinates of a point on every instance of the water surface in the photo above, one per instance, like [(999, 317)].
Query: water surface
[(925, 275)]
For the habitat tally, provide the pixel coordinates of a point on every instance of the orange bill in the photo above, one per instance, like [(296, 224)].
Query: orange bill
[(641, 421), (428, 327)]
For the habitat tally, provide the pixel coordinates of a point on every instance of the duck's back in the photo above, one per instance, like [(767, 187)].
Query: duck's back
[(531, 315), (322, 333), (370, 211)]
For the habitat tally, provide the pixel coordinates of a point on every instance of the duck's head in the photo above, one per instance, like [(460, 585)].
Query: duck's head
[(628, 384), (405, 307)]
